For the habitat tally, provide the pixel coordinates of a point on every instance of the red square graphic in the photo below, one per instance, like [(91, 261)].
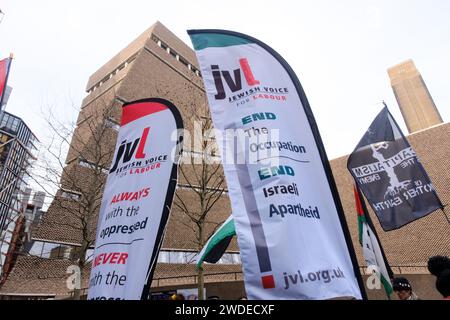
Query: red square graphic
[(268, 282)]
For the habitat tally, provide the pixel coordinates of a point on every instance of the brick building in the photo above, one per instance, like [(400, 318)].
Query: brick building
[(414, 99), (158, 64)]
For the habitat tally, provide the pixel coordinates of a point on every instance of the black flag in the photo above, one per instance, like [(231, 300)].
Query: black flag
[(388, 172)]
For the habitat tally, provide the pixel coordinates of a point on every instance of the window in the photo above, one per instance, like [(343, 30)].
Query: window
[(183, 257), (105, 79), (154, 38), (9, 123), (111, 123), (89, 255), (174, 54), (15, 125), (90, 165), (188, 187), (212, 158), (72, 195), (47, 249), (50, 250), (163, 257), (176, 257), (184, 61), (230, 258), (36, 248)]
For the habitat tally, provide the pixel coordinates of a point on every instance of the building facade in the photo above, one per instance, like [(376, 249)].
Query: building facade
[(17, 144), (414, 99), (158, 64)]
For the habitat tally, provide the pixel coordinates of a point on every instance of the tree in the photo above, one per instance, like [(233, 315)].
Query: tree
[(77, 184), (90, 144), (202, 175)]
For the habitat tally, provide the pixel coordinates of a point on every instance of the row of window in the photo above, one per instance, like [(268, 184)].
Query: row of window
[(73, 195), (57, 251), (201, 155), (15, 126), (87, 164), (174, 54), (162, 45), (185, 257), (111, 123), (188, 187), (112, 74), (9, 122), (54, 250)]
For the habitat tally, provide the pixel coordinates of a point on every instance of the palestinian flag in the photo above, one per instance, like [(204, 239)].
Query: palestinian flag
[(372, 251), (5, 65), (217, 243)]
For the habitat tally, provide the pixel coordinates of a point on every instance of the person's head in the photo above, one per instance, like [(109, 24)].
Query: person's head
[(177, 296), (402, 288), (443, 283), (439, 266), (213, 298), (243, 298)]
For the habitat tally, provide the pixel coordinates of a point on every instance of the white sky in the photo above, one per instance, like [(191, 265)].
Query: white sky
[(340, 50)]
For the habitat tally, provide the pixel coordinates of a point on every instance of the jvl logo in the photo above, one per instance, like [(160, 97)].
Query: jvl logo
[(127, 149), (234, 84)]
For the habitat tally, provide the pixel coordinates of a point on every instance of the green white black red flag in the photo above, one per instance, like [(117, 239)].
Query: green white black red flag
[(217, 244), (372, 251)]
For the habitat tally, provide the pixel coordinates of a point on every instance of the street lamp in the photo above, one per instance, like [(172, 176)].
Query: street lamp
[(1, 15)]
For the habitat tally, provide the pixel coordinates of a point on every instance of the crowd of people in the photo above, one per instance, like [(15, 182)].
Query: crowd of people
[(180, 296), (438, 266)]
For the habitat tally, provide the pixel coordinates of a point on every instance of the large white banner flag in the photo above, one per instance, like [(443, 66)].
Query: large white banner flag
[(136, 202), (292, 234)]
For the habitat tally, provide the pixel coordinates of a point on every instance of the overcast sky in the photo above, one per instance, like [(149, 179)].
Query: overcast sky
[(340, 50)]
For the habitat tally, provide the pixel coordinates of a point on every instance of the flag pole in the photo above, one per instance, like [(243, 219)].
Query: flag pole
[(445, 214), (372, 227)]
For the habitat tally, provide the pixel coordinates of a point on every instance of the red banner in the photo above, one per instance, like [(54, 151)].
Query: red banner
[(4, 72)]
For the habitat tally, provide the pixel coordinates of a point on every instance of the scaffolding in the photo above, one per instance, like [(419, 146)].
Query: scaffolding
[(17, 144)]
